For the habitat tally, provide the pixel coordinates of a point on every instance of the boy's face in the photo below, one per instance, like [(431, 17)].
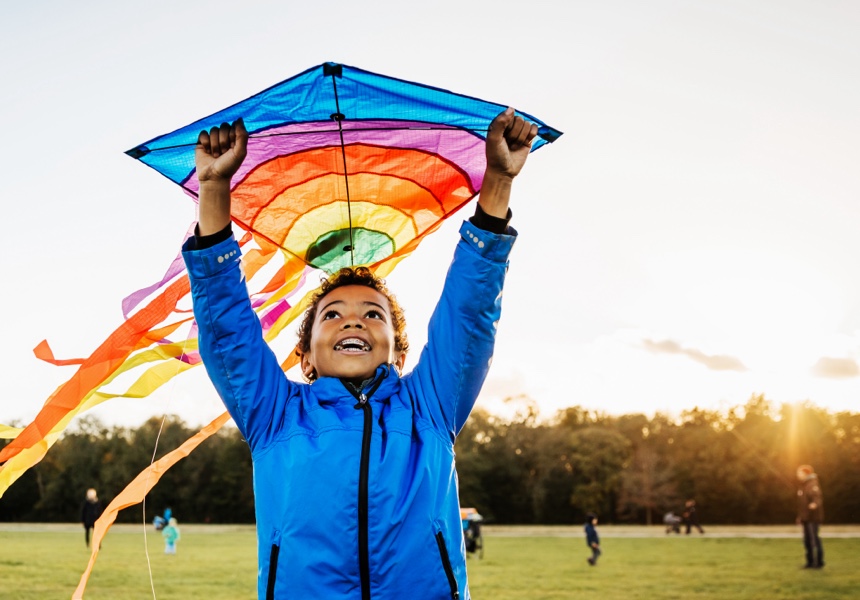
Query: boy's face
[(352, 334)]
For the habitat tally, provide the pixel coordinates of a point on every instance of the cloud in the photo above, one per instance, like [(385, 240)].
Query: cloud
[(836, 368), (503, 384), (716, 362)]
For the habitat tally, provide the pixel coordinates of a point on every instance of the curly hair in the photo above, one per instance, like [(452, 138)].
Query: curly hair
[(354, 276)]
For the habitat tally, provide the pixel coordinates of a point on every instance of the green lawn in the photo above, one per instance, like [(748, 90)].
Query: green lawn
[(665, 568), (46, 561)]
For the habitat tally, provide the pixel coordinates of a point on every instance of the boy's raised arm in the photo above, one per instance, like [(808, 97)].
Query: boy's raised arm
[(218, 155), (509, 142), (461, 334), (242, 367)]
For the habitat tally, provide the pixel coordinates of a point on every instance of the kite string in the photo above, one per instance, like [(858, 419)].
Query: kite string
[(143, 504), (152, 461), (339, 117)]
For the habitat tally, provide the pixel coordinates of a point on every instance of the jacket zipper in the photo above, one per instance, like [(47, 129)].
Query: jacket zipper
[(363, 550), (446, 564), (273, 572)]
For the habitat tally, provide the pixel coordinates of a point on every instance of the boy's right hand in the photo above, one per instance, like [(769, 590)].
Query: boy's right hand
[(220, 152), (218, 155)]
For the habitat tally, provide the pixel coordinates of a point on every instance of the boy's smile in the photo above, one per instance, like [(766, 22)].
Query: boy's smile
[(352, 335)]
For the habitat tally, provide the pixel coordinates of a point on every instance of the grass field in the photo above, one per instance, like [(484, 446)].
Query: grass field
[(46, 562)]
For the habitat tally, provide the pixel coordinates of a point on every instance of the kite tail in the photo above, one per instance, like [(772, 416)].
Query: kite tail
[(140, 340), (149, 381), (9, 433), (97, 368), (138, 331)]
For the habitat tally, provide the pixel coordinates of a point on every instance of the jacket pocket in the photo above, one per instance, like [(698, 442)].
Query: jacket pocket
[(446, 565), (273, 568)]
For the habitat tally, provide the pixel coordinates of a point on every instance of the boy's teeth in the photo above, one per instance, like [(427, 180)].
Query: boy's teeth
[(352, 344)]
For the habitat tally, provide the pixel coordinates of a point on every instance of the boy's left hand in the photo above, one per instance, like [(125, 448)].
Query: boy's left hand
[(509, 141), (219, 153)]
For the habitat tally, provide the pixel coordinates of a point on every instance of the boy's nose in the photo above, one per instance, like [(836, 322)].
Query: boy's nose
[(356, 324)]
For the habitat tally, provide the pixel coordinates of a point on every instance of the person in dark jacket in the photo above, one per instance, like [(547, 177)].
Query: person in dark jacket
[(591, 538), (691, 516), (354, 476), (810, 515), (91, 510)]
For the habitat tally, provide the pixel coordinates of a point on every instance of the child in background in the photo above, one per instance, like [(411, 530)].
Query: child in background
[(591, 538), (171, 536)]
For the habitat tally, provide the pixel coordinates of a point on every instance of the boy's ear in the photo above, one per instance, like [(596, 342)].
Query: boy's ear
[(399, 362), (308, 370)]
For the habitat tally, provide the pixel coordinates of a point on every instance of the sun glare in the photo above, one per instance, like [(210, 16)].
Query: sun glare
[(795, 416)]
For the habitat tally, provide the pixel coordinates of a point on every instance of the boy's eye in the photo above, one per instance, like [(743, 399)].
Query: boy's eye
[(330, 314), (375, 314)]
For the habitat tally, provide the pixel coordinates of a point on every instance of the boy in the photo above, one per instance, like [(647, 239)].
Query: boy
[(170, 532), (354, 480), (591, 538)]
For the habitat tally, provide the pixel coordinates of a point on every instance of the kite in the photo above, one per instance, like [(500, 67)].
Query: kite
[(344, 167)]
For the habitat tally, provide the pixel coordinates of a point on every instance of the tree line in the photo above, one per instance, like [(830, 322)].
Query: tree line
[(212, 485), (739, 467)]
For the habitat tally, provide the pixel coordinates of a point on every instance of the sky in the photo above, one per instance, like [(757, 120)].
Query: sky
[(690, 241)]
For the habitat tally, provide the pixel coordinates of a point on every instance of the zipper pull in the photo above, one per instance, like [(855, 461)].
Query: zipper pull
[(362, 400)]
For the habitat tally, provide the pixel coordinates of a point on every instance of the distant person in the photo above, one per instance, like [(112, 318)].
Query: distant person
[(691, 516), (171, 536), (91, 510), (810, 514), (591, 538)]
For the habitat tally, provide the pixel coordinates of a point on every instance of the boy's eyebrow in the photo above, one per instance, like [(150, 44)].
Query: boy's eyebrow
[(330, 303), (376, 304), (365, 302)]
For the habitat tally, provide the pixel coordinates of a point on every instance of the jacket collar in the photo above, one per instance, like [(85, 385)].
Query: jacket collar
[(332, 388)]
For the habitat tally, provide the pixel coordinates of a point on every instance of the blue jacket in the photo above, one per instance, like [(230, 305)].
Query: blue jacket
[(356, 495)]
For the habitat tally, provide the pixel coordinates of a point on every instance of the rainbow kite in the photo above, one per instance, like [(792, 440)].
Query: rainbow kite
[(344, 167)]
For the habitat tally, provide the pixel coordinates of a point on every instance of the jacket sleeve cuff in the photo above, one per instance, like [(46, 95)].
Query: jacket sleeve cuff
[(492, 246), (210, 261)]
